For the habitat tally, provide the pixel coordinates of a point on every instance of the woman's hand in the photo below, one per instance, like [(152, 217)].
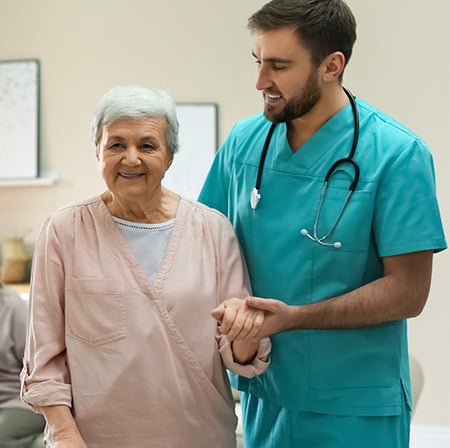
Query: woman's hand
[(66, 443), (61, 430), (64, 439)]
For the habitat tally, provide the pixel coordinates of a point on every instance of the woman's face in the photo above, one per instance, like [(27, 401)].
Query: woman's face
[(133, 156)]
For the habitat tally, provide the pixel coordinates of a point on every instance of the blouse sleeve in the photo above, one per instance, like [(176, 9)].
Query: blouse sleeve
[(257, 366), (45, 377)]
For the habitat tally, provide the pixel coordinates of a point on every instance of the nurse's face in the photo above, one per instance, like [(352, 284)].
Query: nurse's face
[(133, 157), (286, 76)]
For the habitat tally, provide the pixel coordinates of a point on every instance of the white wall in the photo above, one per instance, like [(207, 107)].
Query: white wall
[(200, 51), (402, 65)]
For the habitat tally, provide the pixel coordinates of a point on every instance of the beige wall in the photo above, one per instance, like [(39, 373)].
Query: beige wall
[(200, 51)]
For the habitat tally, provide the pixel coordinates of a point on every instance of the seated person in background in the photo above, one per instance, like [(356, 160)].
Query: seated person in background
[(123, 351), (20, 427)]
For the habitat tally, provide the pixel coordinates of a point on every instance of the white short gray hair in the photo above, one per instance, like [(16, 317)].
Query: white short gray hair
[(136, 102)]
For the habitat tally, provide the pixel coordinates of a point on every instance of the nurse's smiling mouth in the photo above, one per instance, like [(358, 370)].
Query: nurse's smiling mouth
[(271, 98)]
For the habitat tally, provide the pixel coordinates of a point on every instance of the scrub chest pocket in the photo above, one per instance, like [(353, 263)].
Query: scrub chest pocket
[(349, 224)]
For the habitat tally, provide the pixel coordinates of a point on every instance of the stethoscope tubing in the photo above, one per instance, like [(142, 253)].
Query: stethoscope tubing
[(255, 196)]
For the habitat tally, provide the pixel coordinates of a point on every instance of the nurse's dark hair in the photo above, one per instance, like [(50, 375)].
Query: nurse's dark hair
[(136, 102), (322, 26)]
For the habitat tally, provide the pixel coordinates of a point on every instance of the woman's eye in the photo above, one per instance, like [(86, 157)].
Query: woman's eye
[(116, 146)]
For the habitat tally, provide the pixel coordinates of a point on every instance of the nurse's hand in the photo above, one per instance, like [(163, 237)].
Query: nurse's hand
[(278, 315), (237, 320)]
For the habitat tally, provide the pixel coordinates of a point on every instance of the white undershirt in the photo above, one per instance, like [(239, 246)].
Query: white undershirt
[(148, 242)]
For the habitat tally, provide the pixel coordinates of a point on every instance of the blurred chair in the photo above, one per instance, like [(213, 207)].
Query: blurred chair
[(417, 380)]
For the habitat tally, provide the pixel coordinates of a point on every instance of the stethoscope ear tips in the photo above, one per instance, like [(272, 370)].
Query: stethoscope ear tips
[(337, 244), (304, 232)]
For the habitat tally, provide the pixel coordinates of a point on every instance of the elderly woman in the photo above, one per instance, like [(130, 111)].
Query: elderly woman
[(122, 350)]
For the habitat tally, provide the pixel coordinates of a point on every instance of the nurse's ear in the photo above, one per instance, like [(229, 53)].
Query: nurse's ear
[(333, 66)]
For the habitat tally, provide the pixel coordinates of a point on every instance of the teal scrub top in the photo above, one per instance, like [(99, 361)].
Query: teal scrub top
[(394, 210)]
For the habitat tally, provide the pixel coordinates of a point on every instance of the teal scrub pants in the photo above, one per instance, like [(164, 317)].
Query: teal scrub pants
[(21, 428), (269, 426)]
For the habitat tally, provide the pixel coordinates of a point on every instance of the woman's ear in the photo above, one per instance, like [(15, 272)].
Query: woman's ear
[(334, 65)]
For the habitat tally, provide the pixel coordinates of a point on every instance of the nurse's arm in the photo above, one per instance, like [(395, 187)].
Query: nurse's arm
[(400, 294)]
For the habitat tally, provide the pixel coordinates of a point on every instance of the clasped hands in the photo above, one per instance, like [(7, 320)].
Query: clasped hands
[(253, 318), (237, 320)]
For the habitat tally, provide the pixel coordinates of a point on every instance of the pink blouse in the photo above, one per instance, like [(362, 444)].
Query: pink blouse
[(140, 363)]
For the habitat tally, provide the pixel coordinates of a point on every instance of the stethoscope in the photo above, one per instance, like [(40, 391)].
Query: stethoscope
[(255, 195)]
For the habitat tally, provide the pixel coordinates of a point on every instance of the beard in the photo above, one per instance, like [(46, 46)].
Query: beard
[(298, 106)]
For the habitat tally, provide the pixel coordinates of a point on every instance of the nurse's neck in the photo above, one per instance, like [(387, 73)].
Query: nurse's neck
[(301, 129)]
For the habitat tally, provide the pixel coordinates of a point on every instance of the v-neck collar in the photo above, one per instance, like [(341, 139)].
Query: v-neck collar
[(123, 250), (339, 128)]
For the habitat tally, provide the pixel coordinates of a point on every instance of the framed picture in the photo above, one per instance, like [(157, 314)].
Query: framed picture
[(198, 139), (19, 119)]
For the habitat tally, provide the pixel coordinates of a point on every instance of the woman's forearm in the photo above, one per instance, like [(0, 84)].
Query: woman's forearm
[(244, 351)]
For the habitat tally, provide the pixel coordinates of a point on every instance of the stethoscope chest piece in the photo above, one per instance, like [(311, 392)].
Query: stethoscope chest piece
[(254, 198)]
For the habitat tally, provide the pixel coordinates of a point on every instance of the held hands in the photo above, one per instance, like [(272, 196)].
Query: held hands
[(246, 322), (238, 321), (253, 318), (278, 316)]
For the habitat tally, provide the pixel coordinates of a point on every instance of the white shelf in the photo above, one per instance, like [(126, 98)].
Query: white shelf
[(35, 182)]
